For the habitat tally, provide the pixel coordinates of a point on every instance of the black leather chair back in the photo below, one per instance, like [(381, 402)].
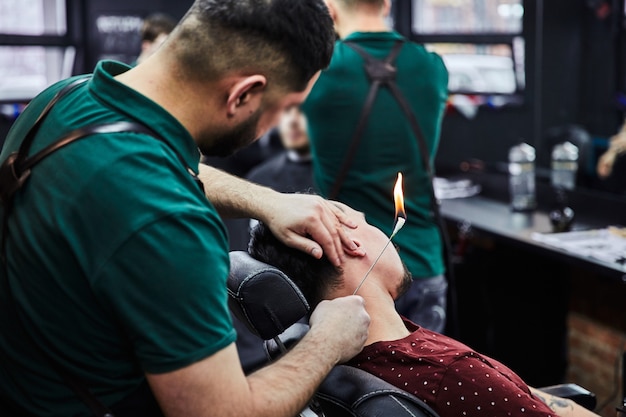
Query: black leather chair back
[(263, 297)]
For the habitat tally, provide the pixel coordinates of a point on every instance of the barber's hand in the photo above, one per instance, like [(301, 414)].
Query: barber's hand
[(311, 224), (343, 324)]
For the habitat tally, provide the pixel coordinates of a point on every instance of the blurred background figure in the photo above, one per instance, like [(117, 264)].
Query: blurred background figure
[(387, 144), (290, 170), (156, 28), (611, 166)]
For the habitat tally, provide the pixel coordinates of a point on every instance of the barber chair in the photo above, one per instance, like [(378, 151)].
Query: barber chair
[(272, 307)]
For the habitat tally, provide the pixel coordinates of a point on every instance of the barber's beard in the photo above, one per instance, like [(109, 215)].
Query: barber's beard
[(227, 143)]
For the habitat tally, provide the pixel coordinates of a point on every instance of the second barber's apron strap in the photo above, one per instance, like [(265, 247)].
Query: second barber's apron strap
[(379, 72), (383, 73)]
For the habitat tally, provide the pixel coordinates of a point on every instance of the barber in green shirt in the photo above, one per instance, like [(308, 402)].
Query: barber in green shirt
[(116, 261), (387, 145)]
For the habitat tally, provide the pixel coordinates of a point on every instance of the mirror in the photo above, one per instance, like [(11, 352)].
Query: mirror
[(595, 154), (572, 83)]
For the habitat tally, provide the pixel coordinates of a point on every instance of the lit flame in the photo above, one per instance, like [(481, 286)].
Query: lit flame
[(398, 197), (400, 220)]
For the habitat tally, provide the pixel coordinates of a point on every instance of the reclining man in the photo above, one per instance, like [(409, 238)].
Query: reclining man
[(450, 377)]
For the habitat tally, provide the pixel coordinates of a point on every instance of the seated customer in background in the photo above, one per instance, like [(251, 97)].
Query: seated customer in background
[(450, 377), (290, 170)]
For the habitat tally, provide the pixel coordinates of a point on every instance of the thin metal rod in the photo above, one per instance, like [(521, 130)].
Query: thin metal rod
[(399, 225)]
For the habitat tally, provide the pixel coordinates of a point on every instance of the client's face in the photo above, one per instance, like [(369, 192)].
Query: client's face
[(389, 270)]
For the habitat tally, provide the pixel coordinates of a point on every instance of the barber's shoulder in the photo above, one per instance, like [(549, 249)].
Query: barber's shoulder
[(428, 59)]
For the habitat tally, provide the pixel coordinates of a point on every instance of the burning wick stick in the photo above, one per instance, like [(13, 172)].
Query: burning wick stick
[(400, 220), (399, 224)]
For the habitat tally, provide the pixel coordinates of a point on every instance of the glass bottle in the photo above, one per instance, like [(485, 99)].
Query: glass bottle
[(564, 166), (522, 177)]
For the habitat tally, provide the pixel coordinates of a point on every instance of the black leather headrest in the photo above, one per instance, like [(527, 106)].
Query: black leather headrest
[(262, 296)]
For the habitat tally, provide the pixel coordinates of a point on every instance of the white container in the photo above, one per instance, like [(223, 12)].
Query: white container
[(564, 166), (522, 177)]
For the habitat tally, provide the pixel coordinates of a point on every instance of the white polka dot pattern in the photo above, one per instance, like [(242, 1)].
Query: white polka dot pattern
[(450, 377)]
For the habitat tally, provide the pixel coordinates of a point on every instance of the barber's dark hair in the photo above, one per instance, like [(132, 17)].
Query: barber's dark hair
[(290, 40), (156, 24), (313, 276)]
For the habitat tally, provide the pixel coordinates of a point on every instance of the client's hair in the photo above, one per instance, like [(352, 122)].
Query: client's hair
[(313, 276)]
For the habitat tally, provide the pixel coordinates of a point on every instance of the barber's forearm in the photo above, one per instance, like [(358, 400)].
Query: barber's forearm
[(233, 197), (296, 375), (217, 387), (338, 330)]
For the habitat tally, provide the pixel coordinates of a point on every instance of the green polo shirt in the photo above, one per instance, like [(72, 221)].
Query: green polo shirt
[(388, 145), (117, 262)]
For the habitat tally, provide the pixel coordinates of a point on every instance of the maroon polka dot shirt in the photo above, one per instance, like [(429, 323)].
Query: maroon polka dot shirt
[(449, 376)]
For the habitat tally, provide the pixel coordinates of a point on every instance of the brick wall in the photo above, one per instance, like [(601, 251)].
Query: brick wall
[(595, 360)]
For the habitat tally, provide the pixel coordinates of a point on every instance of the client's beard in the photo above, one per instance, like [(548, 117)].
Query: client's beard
[(405, 284)]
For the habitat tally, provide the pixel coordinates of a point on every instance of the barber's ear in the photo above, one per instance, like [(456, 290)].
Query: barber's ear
[(247, 92)]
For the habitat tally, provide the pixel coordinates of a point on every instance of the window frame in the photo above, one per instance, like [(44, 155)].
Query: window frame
[(403, 18), (74, 33)]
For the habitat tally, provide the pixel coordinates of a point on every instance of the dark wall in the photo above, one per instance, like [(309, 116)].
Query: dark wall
[(600, 57), (562, 72), (119, 41), (5, 125)]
